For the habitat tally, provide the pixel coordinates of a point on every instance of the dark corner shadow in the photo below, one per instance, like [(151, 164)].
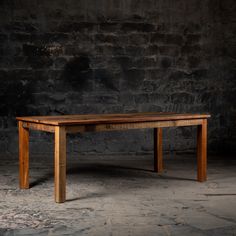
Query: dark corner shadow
[(41, 180)]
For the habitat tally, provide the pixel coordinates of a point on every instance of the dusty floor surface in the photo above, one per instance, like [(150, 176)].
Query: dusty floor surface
[(120, 196)]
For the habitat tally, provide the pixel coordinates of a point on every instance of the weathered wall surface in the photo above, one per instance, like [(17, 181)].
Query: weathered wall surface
[(66, 57)]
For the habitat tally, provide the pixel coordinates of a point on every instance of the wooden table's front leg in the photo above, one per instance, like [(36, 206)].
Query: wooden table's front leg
[(23, 155), (60, 164), (158, 159), (202, 151)]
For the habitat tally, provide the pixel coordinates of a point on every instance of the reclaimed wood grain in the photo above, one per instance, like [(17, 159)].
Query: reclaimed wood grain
[(110, 118), (158, 159), (61, 125), (130, 125), (60, 164), (23, 156), (41, 127), (202, 151)]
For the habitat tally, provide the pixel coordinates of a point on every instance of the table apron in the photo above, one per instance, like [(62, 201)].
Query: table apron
[(113, 126), (41, 127), (134, 125)]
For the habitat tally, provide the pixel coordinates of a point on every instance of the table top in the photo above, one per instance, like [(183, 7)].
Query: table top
[(81, 119)]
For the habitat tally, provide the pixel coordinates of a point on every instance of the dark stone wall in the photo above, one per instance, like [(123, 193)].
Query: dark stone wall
[(117, 56)]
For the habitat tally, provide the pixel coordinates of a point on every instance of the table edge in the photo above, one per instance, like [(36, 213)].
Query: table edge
[(87, 122)]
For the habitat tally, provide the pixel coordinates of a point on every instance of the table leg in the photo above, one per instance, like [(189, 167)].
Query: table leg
[(60, 164), (202, 151), (158, 159), (23, 156)]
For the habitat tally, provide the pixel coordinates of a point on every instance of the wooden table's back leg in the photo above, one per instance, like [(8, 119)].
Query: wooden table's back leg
[(23, 156), (60, 164), (158, 158), (202, 151)]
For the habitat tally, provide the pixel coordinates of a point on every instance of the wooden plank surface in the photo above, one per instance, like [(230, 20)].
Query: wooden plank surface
[(110, 118)]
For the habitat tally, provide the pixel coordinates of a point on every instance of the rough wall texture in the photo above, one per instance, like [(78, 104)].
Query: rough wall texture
[(85, 56)]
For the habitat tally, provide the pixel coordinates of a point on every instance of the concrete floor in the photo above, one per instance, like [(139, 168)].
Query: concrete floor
[(120, 195)]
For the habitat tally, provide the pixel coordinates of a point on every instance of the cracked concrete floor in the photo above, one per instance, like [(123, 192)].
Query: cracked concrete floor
[(120, 195)]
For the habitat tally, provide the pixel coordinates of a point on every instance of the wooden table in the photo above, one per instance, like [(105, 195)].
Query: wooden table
[(61, 125)]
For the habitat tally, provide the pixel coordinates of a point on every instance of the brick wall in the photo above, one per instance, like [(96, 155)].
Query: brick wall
[(66, 57)]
